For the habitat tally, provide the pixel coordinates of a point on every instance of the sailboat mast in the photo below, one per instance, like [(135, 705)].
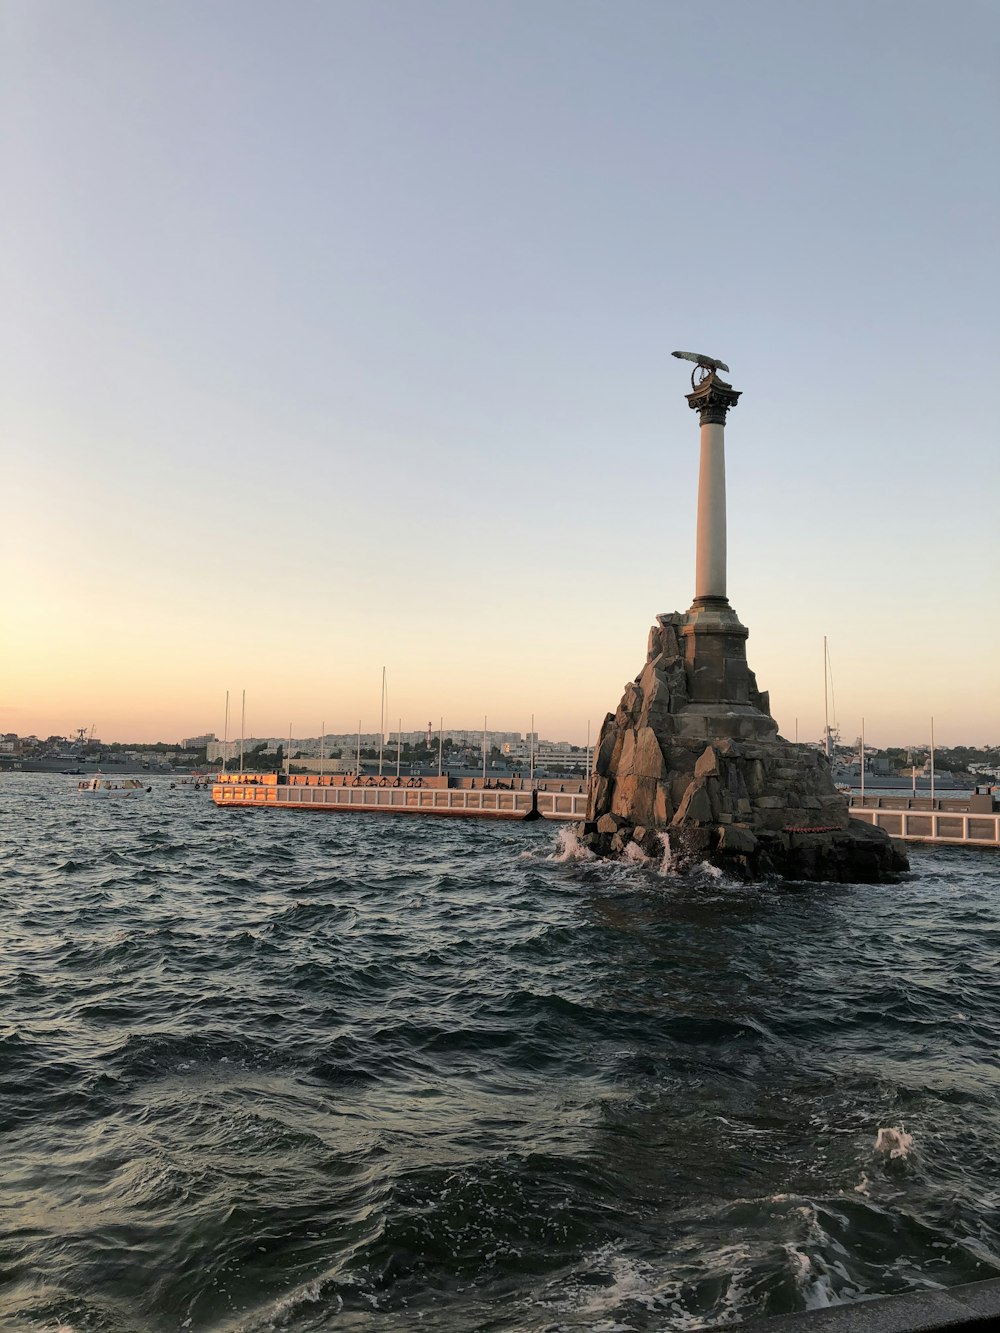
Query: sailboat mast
[(932, 763), (381, 727), (826, 701), (225, 740)]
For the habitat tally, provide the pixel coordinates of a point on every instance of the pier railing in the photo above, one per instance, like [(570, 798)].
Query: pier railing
[(981, 830), (484, 803)]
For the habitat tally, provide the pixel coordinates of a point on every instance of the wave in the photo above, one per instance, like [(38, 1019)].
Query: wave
[(399, 1074)]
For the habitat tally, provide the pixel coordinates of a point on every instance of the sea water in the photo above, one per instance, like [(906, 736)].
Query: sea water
[(279, 1070)]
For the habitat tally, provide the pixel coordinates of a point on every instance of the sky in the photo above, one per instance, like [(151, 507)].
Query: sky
[(337, 336)]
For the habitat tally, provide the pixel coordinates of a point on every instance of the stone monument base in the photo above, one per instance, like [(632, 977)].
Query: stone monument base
[(691, 760)]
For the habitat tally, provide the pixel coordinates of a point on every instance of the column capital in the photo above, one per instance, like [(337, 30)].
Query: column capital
[(712, 399)]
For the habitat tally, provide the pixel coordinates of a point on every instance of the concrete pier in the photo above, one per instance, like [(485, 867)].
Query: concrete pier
[(563, 801), (430, 796)]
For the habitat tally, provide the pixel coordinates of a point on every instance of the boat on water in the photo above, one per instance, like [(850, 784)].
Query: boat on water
[(108, 788)]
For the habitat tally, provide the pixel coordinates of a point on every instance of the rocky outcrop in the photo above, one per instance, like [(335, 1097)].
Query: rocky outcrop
[(692, 757)]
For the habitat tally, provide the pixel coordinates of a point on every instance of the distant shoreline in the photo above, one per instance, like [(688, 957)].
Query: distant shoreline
[(69, 769)]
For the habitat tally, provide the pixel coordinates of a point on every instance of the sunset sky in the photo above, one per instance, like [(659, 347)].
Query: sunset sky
[(337, 335)]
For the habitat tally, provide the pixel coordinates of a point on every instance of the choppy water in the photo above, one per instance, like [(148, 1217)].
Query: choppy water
[(278, 1070)]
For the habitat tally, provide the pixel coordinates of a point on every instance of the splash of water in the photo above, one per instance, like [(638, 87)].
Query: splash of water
[(812, 1277), (569, 847), (894, 1142), (668, 862)]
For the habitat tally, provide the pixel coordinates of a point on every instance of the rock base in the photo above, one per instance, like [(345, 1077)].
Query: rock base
[(691, 760)]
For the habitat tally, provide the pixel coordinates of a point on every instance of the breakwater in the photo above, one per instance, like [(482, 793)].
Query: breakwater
[(386, 1074)]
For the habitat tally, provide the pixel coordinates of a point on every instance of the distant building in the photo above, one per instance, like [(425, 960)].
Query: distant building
[(547, 755), (197, 742), (329, 765), (217, 751)]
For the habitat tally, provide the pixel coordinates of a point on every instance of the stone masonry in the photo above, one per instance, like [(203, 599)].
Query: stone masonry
[(692, 760)]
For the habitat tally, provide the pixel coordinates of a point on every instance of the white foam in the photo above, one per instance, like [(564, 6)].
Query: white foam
[(809, 1214), (277, 1314), (628, 1280), (894, 1142), (812, 1277), (570, 848), (634, 1285)]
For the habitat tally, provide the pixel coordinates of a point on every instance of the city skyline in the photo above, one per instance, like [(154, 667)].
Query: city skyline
[(844, 736), (341, 339)]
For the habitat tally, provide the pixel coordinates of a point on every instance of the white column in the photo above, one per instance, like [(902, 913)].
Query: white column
[(710, 568)]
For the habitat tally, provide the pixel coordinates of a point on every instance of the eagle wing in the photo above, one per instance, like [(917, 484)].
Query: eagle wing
[(709, 362)]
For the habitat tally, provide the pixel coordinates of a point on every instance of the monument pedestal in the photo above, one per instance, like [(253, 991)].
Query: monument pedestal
[(692, 760)]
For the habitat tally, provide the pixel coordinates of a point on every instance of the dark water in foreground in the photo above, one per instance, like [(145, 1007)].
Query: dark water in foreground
[(271, 1070)]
